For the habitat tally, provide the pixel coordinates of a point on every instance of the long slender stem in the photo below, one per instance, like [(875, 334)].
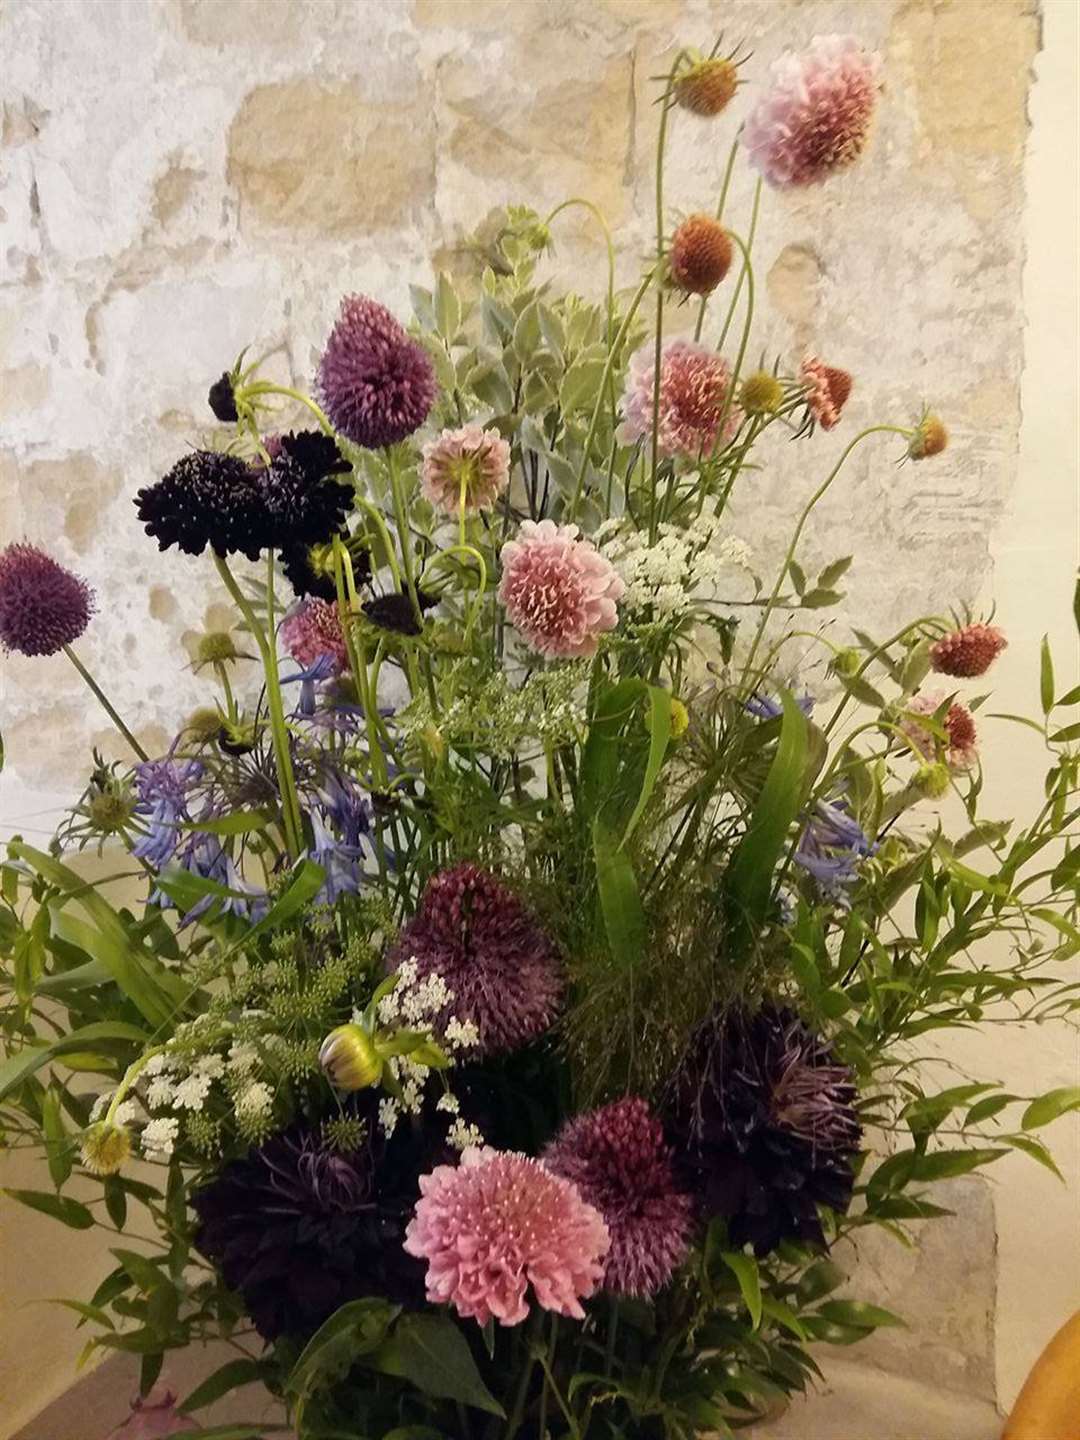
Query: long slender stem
[(719, 215), (290, 804), (267, 387), (745, 272), (598, 216), (401, 519), (105, 703)]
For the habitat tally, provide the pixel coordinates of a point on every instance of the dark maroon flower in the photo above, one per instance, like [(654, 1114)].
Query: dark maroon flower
[(617, 1158), (762, 1114), (222, 400), (207, 498), (376, 383), (43, 606), (503, 969)]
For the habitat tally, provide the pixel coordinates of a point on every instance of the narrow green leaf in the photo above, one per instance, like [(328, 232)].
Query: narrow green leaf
[(58, 1150), (745, 1270), (944, 1164), (1036, 1150), (1051, 1106), (88, 1312), (431, 1352), (620, 901), (354, 1330), (834, 572), (58, 1207), (239, 822), (16, 1068), (659, 735), (230, 1376), (1046, 676), (858, 1312)]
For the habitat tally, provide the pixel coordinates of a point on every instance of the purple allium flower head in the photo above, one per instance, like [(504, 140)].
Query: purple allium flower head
[(617, 1158), (376, 383), (43, 606), (830, 850), (503, 969)]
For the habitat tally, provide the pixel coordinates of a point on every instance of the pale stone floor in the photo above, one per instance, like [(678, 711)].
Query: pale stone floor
[(857, 1403)]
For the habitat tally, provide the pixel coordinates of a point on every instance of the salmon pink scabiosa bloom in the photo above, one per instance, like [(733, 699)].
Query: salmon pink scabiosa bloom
[(959, 725), (559, 591), (312, 630), (967, 652), (497, 1223), (469, 464), (827, 391), (815, 117), (694, 385)]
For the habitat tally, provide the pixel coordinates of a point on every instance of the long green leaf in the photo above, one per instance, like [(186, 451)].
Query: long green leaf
[(230, 1376), (620, 900), (353, 1330), (28, 1061), (659, 735), (306, 882), (431, 1352), (745, 1270), (615, 704), (59, 1207), (1050, 1106), (156, 994)]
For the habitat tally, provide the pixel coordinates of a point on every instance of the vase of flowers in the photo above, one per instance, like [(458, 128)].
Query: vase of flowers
[(540, 920)]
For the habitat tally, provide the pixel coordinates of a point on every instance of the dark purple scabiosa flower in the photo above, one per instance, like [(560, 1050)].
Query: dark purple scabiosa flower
[(43, 606), (309, 569), (299, 1229), (206, 498), (221, 398), (831, 849), (504, 971), (765, 1130), (376, 384), (617, 1158), (306, 503)]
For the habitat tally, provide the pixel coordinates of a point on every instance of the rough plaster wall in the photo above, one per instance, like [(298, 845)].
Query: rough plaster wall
[(181, 178)]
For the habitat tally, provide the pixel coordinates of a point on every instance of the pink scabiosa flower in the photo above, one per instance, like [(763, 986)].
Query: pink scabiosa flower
[(560, 593), (504, 971), (497, 1223), (815, 118), (617, 1158), (469, 462), (694, 385), (312, 630), (43, 606), (968, 652), (827, 391), (961, 751), (376, 384)]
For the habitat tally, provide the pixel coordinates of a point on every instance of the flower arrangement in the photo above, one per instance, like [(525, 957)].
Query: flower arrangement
[(530, 971)]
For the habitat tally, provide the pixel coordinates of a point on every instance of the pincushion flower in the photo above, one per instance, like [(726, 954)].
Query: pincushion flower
[(694, 385), (560, 593), (827, 391), (470, 465), (376, 384), (960, 745), (504, 971), (314, 629), (617, 1158), (967, 652), (700, 255), (815, 118), (929, 438), (707, 86), (43, 606), (498, 1223)]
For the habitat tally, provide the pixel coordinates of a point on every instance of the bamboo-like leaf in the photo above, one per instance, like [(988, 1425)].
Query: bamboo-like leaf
[(659, 735), (18, 1067), (745, 1270), (620, 900), (1046, 676)]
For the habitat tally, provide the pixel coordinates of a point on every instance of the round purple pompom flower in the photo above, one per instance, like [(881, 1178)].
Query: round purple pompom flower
[(43, 606), (376, 384), (504, 971), (617, 1158)]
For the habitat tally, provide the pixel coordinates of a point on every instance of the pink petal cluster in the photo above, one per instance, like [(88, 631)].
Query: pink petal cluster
[(694, 385), (827, 390), (961, 751), (967, 652), (472, 460), (154, 1417), (497, 1223), (314, 629), (560, 593), (815, 117), (617, 1158)]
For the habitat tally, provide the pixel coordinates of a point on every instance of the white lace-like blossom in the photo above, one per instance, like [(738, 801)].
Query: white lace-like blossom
[(388, 1116), (160, 1092), (462, 1135), (243, 1057), (159, 1138), (191, 1092), (683, 567), (254, 1101)]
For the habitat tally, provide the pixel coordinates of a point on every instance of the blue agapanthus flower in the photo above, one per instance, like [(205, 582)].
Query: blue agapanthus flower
[(830, 850), (321, 668)]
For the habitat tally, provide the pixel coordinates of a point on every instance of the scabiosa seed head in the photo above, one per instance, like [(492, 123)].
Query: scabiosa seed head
[(700, 255), (349, 1058), (815, 118), (968, 652), (203, 725), (43, 606), (222, 400), (106, 1148), (617, 1158), (707, 87), (376, 383), (930, 438), (216, 647), (560, 593), (110, 810), (694, 386), (933, 780), (469, 464), (761, 393), (314, 629), (503, 970), (498, 1223), (827, 391), (961, 738)]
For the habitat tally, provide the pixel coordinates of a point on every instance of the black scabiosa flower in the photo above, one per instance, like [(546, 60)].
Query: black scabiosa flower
[(222, 400), (762, 1115), (309, 569), (298, 1228), (397, 612), (376, 384), (207, 498), (43, 606), (306, 503)]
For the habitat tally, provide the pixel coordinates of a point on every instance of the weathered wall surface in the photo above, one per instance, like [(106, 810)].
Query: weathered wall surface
[(181, 178)]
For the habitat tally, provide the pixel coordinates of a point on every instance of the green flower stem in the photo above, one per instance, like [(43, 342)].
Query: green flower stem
[(790, 555), (105, 703), (131, 1074), (401, 520), (719, 215), (875, 655), (384, 535), (598, 216), (475, 605), (223, 675), (745, 272), (517, 1413), (290, 804), (267, 387), (748, 320)]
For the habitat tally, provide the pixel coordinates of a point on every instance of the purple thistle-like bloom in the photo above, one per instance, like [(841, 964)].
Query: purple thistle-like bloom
[(204, 856), (766, 708), (323, 667), (163, 788), (830, 850), (43, 606), (376, 384), (617, 1158), (503, 969)]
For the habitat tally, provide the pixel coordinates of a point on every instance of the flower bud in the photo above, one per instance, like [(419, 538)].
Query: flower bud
[(222, 399), (700, 255), (680, 718), (846, 663), (932, 781), (707, 87), (761, 394), (105, 1148), (215, 648), (349, 1058), (110, 810), (930, 438), (203, 725)]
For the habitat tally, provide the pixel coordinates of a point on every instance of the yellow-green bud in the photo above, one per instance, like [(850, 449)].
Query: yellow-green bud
[(932, 780), (929, 438), (680, 718), (110, 810), (105, 1148), (846, 662), (216, 648), (432, 741), (761, 394), (203, 724), (349, 1058)]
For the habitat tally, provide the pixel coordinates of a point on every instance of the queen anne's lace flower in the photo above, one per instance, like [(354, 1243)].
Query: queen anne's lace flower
[(693, 398), (815, 117), (496, 1224), (683, 566), (559, 591)]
